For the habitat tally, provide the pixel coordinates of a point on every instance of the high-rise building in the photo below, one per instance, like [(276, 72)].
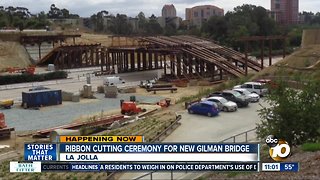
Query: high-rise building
[(169, 17), (285, 11), (169, 11), (198, 14)]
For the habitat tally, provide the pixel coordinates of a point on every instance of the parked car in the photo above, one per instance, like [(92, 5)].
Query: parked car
[(205, 108), (268, 82), (254, 87), (234, 96), (215, 94), (38, 88), (253, 97), (223, 104)]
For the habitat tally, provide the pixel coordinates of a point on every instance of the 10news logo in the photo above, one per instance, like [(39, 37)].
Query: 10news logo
[(279, 149)]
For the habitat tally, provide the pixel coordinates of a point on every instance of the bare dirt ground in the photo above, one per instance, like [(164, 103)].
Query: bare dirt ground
[(104, 40), (175, 96), (13, 54)]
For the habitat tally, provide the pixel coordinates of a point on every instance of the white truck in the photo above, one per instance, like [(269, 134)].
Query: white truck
[(113, 81), (253, 87)]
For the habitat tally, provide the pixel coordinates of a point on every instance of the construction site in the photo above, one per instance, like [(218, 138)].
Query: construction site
[(129, 86)]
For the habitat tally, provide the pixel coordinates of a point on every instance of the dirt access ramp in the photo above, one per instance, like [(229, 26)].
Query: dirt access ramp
[(13, 54), (310, 37)]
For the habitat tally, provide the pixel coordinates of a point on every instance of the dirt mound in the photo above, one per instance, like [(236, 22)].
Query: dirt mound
[(310, 37), (13, 54)]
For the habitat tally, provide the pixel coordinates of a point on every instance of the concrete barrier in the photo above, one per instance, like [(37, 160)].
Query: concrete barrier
[(67, 96), (76, 97)]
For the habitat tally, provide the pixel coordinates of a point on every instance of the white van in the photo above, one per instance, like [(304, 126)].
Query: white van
[(113, 81), (254, 87)]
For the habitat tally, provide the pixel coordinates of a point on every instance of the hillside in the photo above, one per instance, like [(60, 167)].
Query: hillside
[(303, 63)]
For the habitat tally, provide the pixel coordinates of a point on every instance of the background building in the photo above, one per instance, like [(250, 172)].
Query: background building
[(285, 11), (169, 17), (198, 14), (169, 11)]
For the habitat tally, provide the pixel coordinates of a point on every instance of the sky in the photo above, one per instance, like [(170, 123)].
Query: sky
[(86, 8)]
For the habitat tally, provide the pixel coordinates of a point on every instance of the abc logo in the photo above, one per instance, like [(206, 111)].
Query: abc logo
[(279, 149)]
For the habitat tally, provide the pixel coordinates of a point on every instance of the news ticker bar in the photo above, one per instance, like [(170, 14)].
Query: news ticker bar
[(143, 152), (33, 167), (280, 167), (121, 167)]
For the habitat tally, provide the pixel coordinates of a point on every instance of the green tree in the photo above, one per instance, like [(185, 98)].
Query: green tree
[(170, 29), (54, 12), (20, 17), (293, 114), (316, 19), (65, 13), (307, 17), (120, 25), (216, 27), (98, 21), (245, 20), (142, 21), (153, 27)]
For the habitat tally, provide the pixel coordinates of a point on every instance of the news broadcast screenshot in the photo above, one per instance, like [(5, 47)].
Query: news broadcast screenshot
[(139, 90)]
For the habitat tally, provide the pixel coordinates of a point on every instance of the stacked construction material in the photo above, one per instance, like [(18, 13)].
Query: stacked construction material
[(110, 91), (69, 96), (128, 90)]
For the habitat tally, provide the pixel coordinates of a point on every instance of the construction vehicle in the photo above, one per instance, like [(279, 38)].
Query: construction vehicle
[(7, 104), (5, 132), (130, 108)]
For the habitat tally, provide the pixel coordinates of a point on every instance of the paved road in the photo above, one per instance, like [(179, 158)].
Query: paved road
[(77, 85), (196, 128)]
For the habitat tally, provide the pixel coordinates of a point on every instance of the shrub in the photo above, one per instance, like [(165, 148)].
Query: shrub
[(293, 114), (311, 147), (22, 78)]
